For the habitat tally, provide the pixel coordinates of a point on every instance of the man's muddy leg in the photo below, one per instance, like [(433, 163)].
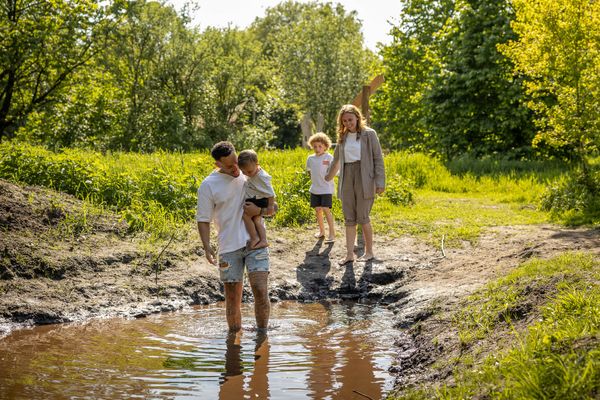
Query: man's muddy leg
[(259, 282), (233, 305)]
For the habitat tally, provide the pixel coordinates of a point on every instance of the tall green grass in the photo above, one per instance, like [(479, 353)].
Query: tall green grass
[(556, 357), (157, 192)]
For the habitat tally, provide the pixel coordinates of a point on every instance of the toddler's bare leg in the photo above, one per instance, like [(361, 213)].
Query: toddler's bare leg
[(251, 228), (262, 232)]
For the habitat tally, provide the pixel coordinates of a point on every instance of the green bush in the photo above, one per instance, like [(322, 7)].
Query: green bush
[(294, 201), (575, 198), (398, 191)]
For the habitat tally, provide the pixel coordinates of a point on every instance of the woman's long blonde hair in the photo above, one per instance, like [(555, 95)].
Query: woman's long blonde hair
[(341, 129)]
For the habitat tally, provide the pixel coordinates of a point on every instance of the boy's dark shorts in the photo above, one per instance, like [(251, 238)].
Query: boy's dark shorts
[(321, 200), (262, 203)]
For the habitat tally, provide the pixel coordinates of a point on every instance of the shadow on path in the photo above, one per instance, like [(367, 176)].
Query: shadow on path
[(312, 273)]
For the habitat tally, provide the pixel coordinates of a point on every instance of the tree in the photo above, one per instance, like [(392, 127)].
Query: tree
[(42, 44), (558, 49), (319, 54), (409, 61), (475, 104)]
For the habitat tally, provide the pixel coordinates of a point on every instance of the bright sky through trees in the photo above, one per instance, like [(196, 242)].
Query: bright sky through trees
[(374, 14)]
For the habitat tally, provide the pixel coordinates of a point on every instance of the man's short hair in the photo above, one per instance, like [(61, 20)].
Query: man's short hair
[(247, 157), (222, 149)]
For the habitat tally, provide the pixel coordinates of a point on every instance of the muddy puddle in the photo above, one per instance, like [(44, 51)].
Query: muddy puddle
[(312, 351)]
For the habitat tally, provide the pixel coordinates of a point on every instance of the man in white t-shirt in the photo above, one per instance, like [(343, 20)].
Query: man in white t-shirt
[(221, 199)]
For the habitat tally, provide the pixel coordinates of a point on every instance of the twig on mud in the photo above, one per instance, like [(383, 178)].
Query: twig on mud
[(443, 252), (362, 394), (157, 259)]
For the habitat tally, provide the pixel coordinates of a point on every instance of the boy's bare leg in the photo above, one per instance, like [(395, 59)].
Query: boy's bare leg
[(329, 218), (319, 213), (262, 233), (251, 228)]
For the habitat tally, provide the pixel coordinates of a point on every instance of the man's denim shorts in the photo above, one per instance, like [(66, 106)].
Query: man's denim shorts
[(254, 260)]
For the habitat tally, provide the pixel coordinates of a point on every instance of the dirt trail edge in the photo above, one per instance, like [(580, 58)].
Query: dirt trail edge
[(61, 262)]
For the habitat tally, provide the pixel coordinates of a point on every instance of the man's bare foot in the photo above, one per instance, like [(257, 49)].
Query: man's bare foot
[(261, 244), (319, 235)]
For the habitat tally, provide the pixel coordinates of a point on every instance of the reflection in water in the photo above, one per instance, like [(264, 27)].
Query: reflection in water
[(312, 351)]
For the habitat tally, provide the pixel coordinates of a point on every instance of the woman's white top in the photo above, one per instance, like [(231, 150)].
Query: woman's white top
[(351, 148)]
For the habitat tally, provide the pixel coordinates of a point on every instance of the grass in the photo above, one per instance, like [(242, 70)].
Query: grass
[(156, 193), (557, 356)]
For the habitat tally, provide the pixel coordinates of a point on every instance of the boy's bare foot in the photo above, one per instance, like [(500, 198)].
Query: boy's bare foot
[(319, 235), (261, 244)]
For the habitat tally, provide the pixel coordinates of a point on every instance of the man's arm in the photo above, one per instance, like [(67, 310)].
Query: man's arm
[(253, 210), (204, 230)]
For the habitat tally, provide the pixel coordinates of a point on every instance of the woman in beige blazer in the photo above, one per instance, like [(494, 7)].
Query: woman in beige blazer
[(359, 159)]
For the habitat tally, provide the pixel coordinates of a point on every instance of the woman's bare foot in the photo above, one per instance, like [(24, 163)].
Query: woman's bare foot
[(319, 235), (330, 239), (345, 260), (366, 257)]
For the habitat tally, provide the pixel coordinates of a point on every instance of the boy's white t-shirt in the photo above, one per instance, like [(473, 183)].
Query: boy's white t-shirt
[(259, 186), (318, 166), (221, 199)]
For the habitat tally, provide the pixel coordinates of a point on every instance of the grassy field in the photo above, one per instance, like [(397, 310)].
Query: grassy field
[(156, 193), (554, 357)]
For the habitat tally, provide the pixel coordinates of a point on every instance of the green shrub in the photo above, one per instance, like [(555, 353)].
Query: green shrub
[(575, 198), (294, 201), (398, 191)]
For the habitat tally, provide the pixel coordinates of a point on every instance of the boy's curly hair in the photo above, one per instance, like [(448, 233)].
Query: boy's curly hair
[(320, 137)]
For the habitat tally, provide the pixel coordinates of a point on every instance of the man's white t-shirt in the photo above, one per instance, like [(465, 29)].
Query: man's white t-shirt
[(221, 199), (318, 166)]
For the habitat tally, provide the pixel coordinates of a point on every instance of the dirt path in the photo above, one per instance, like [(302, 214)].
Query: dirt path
[(46, 277)]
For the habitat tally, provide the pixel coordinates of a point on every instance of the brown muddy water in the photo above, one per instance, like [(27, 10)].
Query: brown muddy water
[(312, 351)]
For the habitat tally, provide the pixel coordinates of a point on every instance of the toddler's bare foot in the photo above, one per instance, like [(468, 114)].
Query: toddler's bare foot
[(251, 244), (260, 244)]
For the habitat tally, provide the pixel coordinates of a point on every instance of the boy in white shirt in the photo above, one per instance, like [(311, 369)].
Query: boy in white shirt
[(321, 191), (258, 191)]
